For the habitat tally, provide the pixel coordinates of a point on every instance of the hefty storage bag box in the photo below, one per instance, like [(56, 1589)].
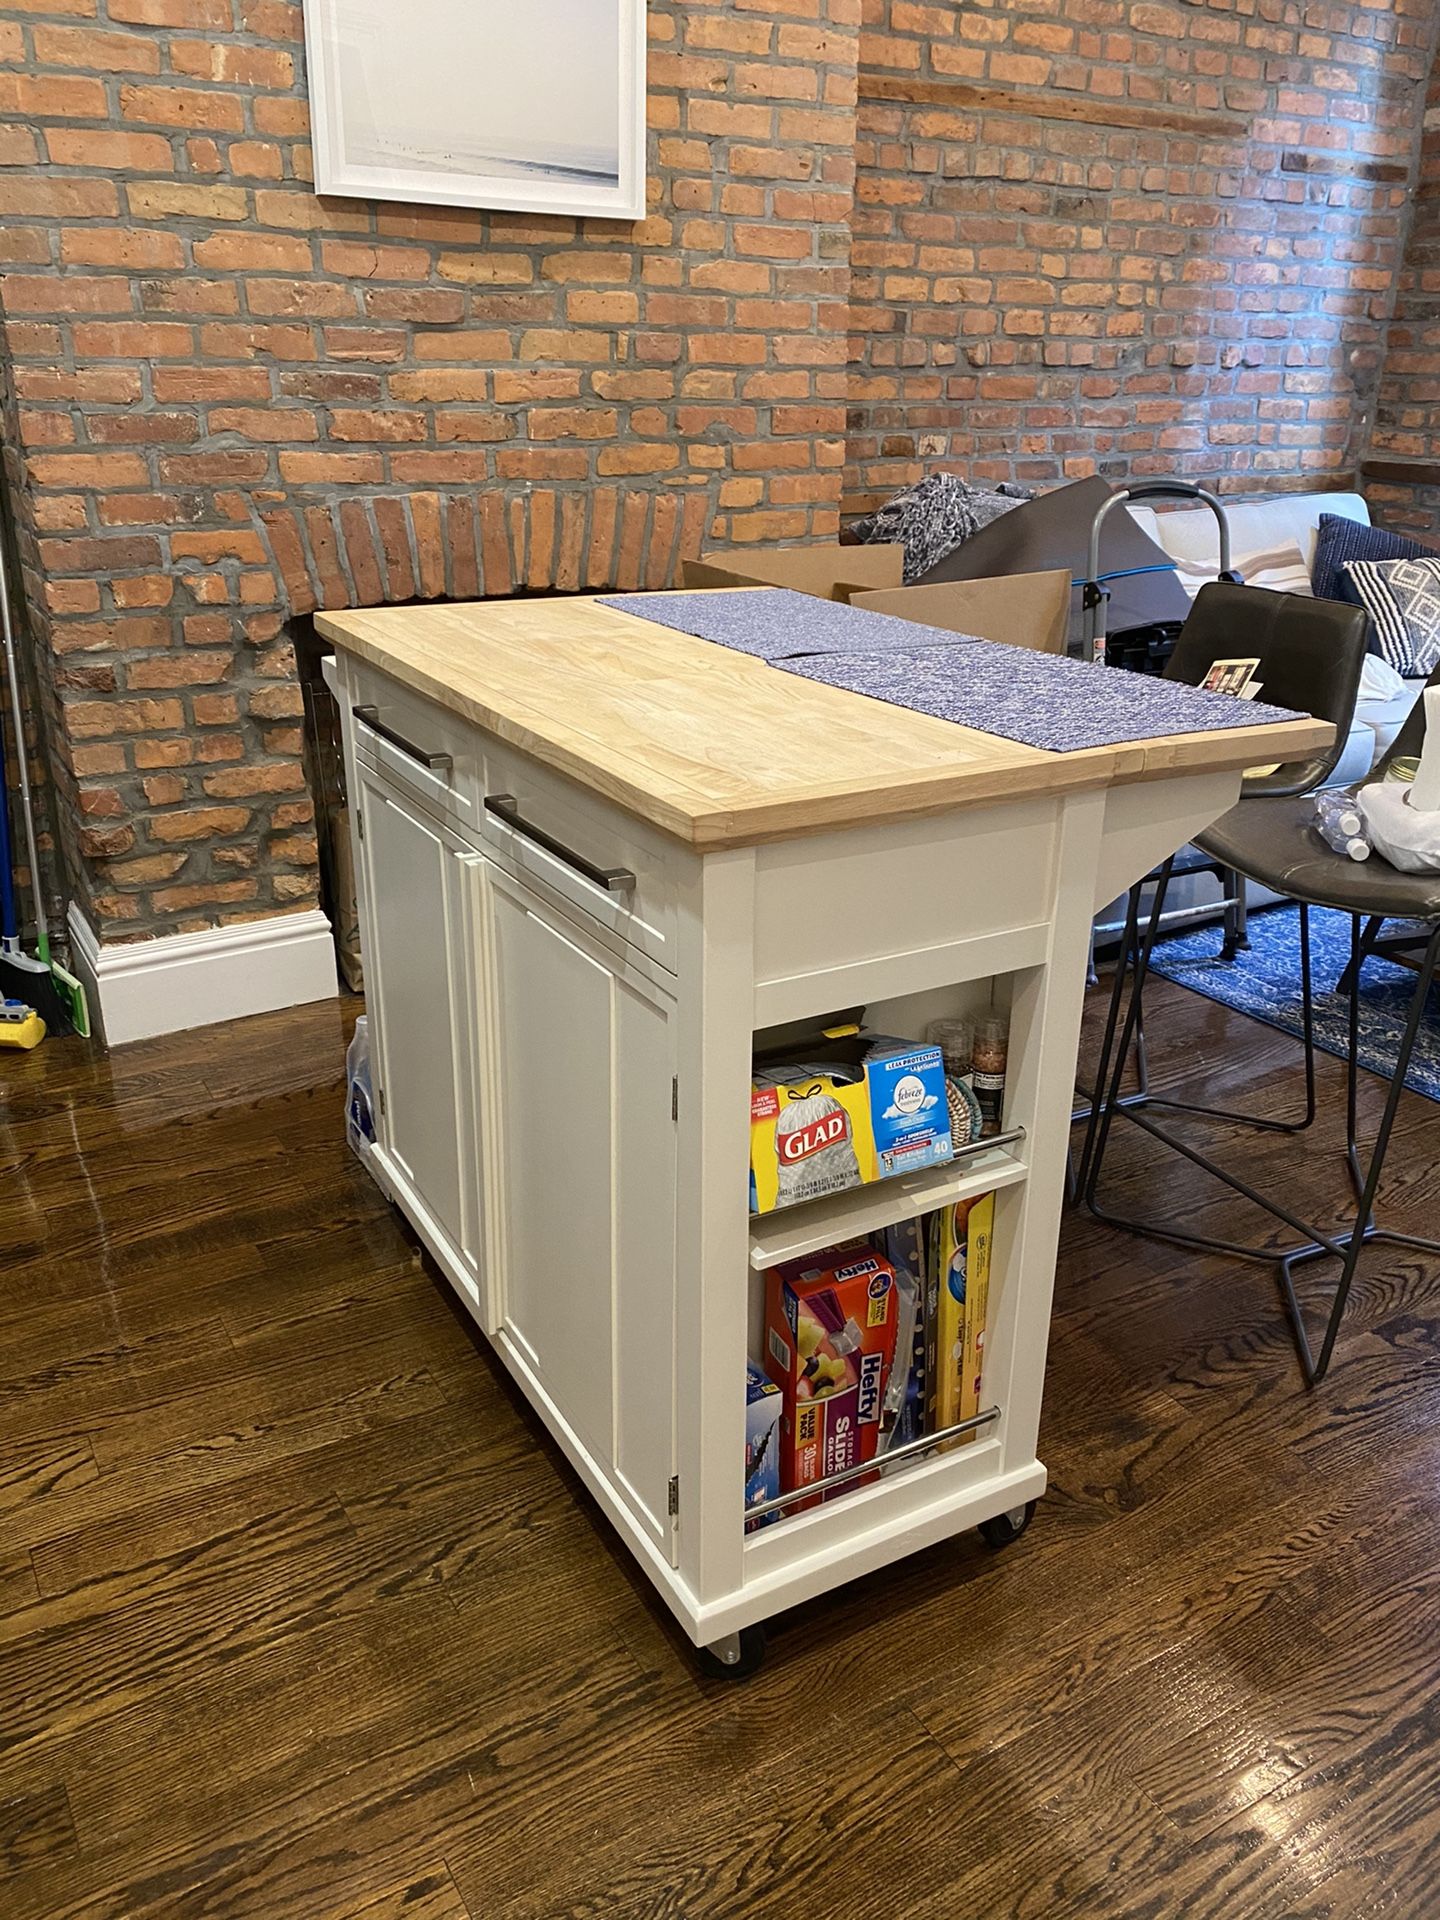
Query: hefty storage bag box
[(830, 1323), (850, 1109)]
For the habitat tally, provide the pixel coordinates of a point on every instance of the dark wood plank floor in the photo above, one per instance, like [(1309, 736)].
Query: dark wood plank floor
[(301, 1618)]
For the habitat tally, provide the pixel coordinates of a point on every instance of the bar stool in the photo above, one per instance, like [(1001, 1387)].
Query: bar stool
[(1273, 842), (1311, 653)]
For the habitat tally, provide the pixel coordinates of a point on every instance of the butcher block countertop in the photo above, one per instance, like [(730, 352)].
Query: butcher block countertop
[(718, 749)]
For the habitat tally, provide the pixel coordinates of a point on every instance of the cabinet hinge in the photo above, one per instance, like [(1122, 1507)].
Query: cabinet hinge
[(359, 824), (675, 1098), (380, 1098), (674, 1496)]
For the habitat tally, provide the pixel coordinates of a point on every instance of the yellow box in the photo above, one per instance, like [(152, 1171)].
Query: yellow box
[(959, 1287)]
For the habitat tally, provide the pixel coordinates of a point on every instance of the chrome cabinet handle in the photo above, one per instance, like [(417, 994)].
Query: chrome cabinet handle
[(437, 762), (507, 808)]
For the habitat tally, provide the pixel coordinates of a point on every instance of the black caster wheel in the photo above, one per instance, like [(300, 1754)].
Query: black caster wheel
[(736, 1657), (1006, 1527)]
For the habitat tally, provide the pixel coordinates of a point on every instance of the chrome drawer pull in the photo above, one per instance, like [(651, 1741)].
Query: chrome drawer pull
[(437, 762), (507, 808)]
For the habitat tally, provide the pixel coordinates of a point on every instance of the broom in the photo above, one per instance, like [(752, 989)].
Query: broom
[(56, 995)]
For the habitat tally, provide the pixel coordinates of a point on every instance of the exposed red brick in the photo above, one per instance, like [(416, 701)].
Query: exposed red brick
[(633, 515), (496, 576), (572, 540), (658, 563), (360, 552), (600, 571), (325, 553), (429, 543), (393, 523), (460, 545), (540, 565), (288, 546)]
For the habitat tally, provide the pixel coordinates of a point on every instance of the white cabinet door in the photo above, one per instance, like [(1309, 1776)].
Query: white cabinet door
[(421, 928), (583, 1114)]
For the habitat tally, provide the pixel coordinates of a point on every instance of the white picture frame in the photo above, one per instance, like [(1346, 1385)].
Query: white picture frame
[(528, 106)]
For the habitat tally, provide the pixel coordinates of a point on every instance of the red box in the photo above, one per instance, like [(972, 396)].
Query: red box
[(830, 1322)]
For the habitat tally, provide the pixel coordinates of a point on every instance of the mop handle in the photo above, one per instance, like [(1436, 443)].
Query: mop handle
[(27, 804), (9, 924)]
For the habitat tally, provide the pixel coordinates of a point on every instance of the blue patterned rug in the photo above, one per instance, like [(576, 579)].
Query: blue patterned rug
[(1265, 983)]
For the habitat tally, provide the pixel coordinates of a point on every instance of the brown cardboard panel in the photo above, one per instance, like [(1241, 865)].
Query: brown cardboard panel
[(829, 571), (1022, 609)]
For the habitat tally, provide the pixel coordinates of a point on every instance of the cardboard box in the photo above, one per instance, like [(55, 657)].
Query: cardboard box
[(849, 1110), (763, 1405), (829, 1347), (829, 571), (904, 1246), (1021, 610), (958, 1286)]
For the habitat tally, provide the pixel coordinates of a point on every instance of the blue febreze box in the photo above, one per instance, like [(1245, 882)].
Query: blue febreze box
[(909, 1111), (762, 1441)]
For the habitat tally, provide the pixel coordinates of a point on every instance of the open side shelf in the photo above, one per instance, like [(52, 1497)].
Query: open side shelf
[(883, 1465), (812, 1224)]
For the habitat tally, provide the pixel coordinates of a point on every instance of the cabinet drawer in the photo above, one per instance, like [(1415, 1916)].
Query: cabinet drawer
[(548, 829), (425, 749)]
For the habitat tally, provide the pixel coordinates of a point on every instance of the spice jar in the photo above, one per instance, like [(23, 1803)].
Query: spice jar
[(956, 1041), (991, 1051)]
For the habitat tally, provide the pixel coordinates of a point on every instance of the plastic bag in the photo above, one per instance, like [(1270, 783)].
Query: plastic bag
[(1408, 838), (359, 1097)]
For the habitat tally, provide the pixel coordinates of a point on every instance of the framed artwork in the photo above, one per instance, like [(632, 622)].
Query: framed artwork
[(537, 106)]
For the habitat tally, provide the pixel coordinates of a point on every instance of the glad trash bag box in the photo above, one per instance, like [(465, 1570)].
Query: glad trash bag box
[(851, 1109)]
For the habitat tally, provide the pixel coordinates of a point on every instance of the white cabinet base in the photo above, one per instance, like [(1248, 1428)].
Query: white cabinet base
[(603, 1103)]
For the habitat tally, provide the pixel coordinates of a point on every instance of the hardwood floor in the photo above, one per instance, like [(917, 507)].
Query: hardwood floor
[(302, 1618)]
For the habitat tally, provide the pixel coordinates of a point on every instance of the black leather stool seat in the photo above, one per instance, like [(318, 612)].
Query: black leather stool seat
[(1275, 842)]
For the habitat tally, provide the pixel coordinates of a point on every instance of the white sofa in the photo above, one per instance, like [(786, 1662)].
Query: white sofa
[(1190, 536)]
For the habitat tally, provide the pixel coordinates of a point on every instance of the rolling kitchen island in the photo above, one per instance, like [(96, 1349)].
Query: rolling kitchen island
[(596, 857)]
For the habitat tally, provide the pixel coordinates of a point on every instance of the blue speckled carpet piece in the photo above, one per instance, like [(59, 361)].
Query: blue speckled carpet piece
[(1035, 699), (1265, 983), (776, 623)]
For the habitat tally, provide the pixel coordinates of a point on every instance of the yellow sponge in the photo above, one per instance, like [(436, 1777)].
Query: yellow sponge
[(20, 1026)]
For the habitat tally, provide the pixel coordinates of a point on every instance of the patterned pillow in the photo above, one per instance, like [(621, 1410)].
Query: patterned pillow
[(933, 518), (1339, 541), (1402, 598)]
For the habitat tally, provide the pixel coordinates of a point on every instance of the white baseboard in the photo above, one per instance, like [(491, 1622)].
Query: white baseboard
[(182, 980)]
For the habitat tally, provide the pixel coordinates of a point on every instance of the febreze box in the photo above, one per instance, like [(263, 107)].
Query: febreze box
[(830, 1323), (852, 1109)]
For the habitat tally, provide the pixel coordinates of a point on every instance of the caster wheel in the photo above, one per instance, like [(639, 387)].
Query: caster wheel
[(1006, 1527), (736, 1657)]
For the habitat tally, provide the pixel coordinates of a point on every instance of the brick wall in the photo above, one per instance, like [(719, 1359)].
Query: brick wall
[(236, 402), (1127, 237), (1403, 473)]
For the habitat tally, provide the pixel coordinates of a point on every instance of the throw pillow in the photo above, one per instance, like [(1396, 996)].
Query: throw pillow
[(1279, 569), (1402, 598), (1339, 541), (933, 518)]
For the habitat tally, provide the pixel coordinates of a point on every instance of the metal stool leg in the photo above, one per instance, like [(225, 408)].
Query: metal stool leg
[(1364, 1230), (1345, 1246), (1349, 980), (1075, 1178), (1230, 918), (1307, 1040), (1107, 1099)]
